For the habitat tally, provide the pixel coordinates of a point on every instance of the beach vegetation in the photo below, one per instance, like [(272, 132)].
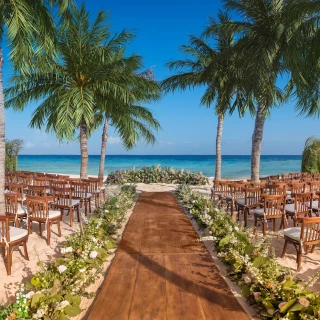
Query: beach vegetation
[(212, 66), (56, 289), (311, 156), (156, 174), (27, 27), (267, 285), (13, 147), (80, 88)]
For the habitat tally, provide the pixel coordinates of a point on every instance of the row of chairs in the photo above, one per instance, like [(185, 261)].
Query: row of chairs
[(43, 200), (272, 200)]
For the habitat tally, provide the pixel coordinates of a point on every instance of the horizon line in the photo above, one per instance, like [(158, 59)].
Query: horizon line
[(158, 155)]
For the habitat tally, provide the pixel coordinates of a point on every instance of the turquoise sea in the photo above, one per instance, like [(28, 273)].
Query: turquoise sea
[(233, 167)]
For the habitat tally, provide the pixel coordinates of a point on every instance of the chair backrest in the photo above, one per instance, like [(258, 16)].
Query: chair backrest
[(274, 189), (51, 176), (24, 179), (310, 231), (38, 207), (94, 184), (237, 190), (62, 177), (275, 177), (62, 197), (252, 197), (41, 181), (256, 184), (18, 189), (5, 230), (11, 203), (99, 180), (58, 184), (38, 191), (221, 187), (313, 186), (80, 189), (297, 187), (273, 205), (302, 203)]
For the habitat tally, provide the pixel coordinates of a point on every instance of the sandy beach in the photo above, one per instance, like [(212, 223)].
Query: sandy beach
[(22, 270)]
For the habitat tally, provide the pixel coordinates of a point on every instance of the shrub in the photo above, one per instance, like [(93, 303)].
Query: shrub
[(264, 282), (156, 175)]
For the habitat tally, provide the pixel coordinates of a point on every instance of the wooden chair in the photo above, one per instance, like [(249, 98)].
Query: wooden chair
[(62, 198), (95, 189), (14, 209), (252, 200), (306, 235), (41, 181), (38, 191), (58, 184), (301, 207), (62, 177), (314, 187), (11, 238), (274, 189), (236, 193), (81, 192), (18, 189), (220, 192), (272, 209), (38, 211)]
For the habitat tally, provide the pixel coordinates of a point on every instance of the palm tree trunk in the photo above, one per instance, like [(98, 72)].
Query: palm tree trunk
[(84, 150), (103, 147), (2, 140), (257, 142), (218, 147)]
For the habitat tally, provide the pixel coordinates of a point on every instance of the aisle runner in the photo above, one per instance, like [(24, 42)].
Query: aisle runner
[(161, 272)]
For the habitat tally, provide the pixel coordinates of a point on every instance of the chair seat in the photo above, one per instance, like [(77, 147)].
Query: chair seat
[(315, 205), (288, 192), (22, 210), (290, 208), (258, 211), (16, 233), (293, 233), (229, 197), (89, 195), (241, 202), (74, 203), (54, 213)]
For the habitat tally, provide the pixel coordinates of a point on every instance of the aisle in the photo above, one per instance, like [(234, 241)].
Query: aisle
[(161, 271)]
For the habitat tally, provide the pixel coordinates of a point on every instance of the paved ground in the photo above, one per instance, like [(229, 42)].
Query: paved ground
[(161, 271)]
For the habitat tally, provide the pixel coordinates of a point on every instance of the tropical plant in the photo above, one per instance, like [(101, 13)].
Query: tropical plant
[(79, 83), (311, 156), (212, 67), (56, 289), (13, 147), (27, 28), (266, 284), (272, 44), (156, 175)]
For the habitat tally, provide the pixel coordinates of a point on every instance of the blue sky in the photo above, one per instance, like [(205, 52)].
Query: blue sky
[(161, 27)]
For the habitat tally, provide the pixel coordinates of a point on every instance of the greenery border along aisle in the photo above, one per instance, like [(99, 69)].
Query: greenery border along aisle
[(156, 174), (54, 292), (265, 283)]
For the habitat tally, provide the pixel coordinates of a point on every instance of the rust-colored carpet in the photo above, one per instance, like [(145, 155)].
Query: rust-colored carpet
[(160, 271)]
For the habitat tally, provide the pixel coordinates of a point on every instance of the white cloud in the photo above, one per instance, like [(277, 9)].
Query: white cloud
[(114, 140), (29, 145)]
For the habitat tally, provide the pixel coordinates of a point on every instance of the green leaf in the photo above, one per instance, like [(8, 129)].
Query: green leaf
[(35, 282), (296, 307), (76, 300), (62, 317), (287, 306), (224, 241), (259, 261), (268, 304), (35, 299), (246, 290), (249, 249), (289, 285), (68, 297), (46, 317), (72, 311), (109, 245)]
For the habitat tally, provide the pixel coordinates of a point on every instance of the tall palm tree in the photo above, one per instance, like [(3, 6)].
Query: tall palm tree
[(28, 28), (79, 82), (212, 67), (269, 47)]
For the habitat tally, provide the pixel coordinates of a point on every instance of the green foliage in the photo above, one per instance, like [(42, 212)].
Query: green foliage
[(264, 282), (311, 156), (55, 291), (156, 175), (13, 147)]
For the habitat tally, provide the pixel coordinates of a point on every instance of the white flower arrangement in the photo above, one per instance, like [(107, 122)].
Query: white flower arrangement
[(93, 254)]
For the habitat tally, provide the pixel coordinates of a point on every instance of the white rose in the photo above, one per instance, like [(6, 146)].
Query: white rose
[(63, 250), (93, 254), (30, 294), (106, 211), (82, 270), (236, 228), (69, 249), (62, 268)]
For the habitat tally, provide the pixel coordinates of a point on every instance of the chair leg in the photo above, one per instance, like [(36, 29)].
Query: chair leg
[(274, 225), (306, 250), (299, 258), (284, 248), (25, 250), (71, 215), (78, 213), (59, 228), (89, 205), (9, 261), (48, 232), (29, 226), (3, 251), (312, 248), (40, 229), (245, 216), (255, 225), (85, 207), (264, 228)]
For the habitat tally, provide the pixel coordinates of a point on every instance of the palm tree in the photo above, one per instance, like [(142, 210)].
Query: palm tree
[(79, 82), (311, 156), (132, 122), (28, 28), (214, 68), (269, 47)]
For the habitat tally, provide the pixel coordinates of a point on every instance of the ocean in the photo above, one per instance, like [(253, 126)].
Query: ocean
[(233, 167)]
